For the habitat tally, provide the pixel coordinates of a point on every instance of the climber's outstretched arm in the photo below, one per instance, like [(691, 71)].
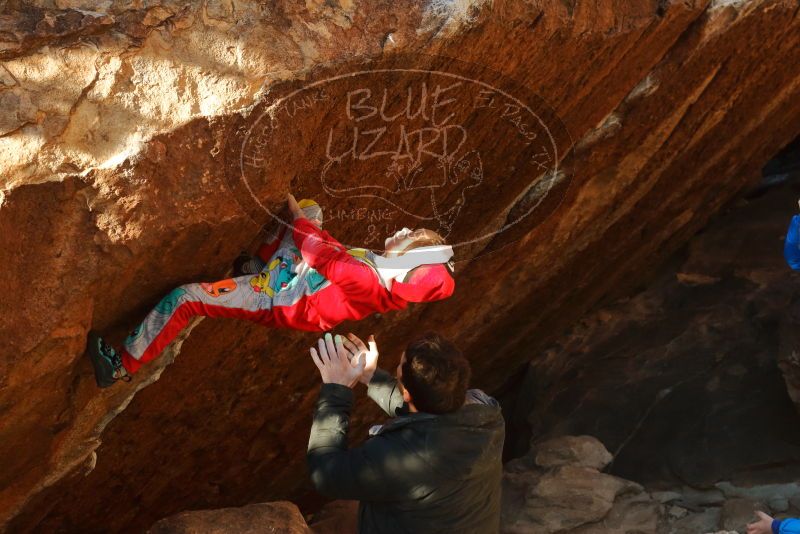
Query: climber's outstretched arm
[(791, 247), (330, 258)]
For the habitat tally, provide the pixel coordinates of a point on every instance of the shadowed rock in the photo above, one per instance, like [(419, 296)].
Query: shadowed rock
[(273, 518)]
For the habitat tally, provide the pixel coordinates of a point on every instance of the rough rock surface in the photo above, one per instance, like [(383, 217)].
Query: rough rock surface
[(678, 378), (583, 451), (737, 512), (273, 518), (119, 125), (573, 499), (789, 350)]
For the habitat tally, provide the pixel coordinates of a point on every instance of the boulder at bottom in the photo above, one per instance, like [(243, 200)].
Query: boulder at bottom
[(274, 517)]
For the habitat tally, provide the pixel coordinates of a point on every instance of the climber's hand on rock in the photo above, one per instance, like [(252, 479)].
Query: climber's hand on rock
[(369, 352), (335, 363), (294, 208), (762, 526)]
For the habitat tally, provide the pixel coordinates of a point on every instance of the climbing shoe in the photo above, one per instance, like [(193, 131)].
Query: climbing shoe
[(106, 362)]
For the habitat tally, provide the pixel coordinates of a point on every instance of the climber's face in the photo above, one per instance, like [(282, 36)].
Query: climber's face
[(398, 242)]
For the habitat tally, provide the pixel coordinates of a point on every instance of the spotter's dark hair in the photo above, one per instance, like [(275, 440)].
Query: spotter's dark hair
[(436, 374)]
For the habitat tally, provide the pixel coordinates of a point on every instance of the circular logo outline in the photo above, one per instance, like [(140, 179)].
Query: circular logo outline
[(554, 172)]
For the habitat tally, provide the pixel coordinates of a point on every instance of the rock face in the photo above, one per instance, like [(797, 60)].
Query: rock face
[(572, 495), (789, 350), (573, 498), (581, 451), (275, 518), (678, 378), (122, 130)]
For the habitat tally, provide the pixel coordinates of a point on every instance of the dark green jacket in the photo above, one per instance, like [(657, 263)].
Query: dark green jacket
[(419, 473)]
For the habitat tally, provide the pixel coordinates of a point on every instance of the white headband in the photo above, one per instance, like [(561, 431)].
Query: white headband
[(416, 257), (397, 266)]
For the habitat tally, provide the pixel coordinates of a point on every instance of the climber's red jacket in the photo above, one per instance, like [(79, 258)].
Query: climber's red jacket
[(355, 289), (336, 287)]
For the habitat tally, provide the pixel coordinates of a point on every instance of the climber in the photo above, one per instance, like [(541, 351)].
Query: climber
[(303, 279), (435, 467), (791, 246), (768, 525)]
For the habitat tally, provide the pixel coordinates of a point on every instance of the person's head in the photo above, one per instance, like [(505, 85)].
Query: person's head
[(433, 374), (425, 283), (406, 239)]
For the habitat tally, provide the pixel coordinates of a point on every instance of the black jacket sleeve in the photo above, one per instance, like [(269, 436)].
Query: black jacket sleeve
[(383, 469), (384, 390)]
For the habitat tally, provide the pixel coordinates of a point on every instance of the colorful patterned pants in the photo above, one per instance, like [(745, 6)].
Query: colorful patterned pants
[(250, 297), (238, 298)]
